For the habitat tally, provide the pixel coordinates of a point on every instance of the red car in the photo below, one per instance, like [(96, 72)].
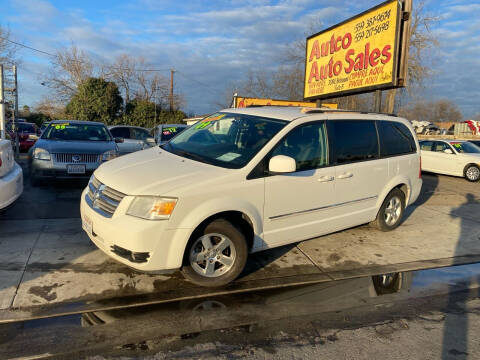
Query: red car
[(28, 134)]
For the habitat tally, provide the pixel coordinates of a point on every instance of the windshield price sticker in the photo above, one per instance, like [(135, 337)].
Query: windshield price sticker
[(61, 126)]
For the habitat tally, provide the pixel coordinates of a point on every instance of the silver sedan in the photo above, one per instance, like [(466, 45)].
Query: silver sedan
[(71, 149)]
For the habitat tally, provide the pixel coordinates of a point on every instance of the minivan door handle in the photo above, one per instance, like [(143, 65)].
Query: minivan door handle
[(345, 175), (325, 178)]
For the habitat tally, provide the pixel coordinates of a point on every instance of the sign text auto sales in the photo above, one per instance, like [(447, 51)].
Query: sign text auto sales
[(355, 56)]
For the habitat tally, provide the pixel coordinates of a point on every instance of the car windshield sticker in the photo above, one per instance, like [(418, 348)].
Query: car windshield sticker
[(214, 117), (457, 145), (61, 126), (204, 124), (210, 120), (170, 130), (228, 156), (166, 132)]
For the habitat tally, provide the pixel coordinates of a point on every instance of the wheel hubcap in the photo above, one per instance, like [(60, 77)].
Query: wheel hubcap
[(212, 255), (393, 211), (473, 173)]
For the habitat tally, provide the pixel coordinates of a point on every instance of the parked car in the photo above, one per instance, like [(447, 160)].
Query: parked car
[(165, 132), (451, 157), (250, 179), (71, 148), (475, 142), (27, 133), (134, 138), (11, 175), (44, 126)]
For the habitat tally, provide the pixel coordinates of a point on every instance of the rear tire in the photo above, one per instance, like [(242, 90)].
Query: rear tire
[(391, 212), (216, 255), (472, 173)]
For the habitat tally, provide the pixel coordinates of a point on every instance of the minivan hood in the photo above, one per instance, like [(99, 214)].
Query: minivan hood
[(75, 147), (154, 171)]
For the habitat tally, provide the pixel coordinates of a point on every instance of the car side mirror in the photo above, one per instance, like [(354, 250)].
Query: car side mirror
[(282, 164), (118, 140), (448, 151)]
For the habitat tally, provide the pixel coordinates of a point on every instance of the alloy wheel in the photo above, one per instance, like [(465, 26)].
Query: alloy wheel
[(212, 255), (393, 211)]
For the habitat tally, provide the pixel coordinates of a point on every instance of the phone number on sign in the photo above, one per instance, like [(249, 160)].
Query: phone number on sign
[(372, 31), (379, 18)]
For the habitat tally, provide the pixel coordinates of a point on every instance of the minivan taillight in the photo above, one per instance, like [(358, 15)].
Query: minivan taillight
[(420, 169)]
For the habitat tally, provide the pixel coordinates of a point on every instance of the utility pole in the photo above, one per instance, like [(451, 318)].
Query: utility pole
[(15, 110), (171, 89), (2, 105)]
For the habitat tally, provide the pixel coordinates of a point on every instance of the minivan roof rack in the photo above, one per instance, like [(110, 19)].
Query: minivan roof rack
[(326, 109)]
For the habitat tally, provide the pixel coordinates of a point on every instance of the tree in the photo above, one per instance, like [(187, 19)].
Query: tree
[(141, 113), (69, 69), (433, 111), (51, 109), (421, 40), (95, 100), (7, 48)]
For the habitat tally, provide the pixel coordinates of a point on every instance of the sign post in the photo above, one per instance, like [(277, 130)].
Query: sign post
[(362, 54)]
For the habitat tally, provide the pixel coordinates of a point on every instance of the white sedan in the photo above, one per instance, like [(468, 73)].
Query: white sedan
[(11, 175), (451, 157)]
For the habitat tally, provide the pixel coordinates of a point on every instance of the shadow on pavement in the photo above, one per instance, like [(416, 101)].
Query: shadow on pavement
[(455, 333)]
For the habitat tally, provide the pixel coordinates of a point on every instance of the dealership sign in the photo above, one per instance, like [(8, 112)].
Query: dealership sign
[(242, 102), (364, 53)]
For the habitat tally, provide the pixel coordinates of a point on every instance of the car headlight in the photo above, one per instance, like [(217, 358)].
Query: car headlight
[(109, 155), (152, 207), (41, 154)]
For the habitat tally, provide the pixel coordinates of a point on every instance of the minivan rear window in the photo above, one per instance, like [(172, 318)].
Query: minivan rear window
[(395, 139), (354, 140)]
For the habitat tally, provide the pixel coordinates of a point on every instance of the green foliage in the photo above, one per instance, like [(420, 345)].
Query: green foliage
[(37, 118), (142, 113), (95, 100)]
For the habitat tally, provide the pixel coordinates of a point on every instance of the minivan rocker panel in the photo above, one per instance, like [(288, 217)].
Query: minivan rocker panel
[(222, 201)]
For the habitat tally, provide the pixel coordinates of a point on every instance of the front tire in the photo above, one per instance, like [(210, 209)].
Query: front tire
[(472, 173), (216, 255), (391, 212)]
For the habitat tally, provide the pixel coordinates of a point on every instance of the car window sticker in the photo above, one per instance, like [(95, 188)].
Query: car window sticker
[(228, 156)]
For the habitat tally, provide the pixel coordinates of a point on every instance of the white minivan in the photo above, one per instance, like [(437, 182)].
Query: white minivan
[(250, 179)]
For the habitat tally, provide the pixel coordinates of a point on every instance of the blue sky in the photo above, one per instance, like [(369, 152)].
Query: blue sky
[(213, 43)]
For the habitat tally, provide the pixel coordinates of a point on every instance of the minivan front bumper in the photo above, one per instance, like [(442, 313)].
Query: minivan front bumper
[(144, 245)]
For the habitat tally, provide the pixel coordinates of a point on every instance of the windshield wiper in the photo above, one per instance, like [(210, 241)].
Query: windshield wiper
[(190, 155)]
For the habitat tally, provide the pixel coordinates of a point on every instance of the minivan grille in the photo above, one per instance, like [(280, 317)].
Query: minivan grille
[(76, 158), (103, 199)]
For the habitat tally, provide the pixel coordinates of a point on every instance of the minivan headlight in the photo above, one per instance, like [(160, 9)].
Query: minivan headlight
[(41, 154), (109, 155), (152, 207)]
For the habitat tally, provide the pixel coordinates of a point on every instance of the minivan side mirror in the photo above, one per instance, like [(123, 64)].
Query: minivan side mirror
[(448, 151), (150, 141), (282, 164), (118, 140)]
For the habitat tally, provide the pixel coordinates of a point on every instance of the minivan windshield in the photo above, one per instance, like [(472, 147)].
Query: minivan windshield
[(225, 139), (76, 132), (466, 147)]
